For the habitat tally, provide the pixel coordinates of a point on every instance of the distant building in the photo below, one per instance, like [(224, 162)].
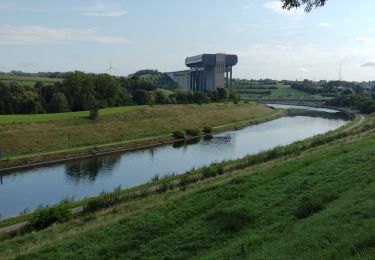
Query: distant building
[(207, 72)]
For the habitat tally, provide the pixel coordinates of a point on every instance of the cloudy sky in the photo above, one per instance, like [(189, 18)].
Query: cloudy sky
[(51, 35)]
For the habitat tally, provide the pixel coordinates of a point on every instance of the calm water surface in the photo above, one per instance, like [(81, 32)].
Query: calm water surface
[(88, 177), (304, 107)]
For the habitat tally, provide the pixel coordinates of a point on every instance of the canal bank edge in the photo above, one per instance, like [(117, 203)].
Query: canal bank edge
[(34, 160), (13, 224)]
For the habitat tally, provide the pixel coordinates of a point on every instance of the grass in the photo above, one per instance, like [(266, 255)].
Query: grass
[(116, 125), (282, 91), (319, 205), (10, 119), (27, 81)]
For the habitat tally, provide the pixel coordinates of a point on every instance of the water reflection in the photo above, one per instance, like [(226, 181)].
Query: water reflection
[(89, 169), (88, 177), (183, 143)]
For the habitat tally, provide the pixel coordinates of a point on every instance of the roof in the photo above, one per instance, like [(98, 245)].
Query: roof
[(210, 60)]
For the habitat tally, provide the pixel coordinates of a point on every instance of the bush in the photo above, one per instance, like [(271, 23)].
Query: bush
[(179, 134), (207, 129), (192, 131), (105, 200), (46, 216), (208, 172), (94, 112)]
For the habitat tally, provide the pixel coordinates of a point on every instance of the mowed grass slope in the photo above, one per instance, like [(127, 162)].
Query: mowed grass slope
[(318, 206), (282, 91), (117, 125), (10, 119)]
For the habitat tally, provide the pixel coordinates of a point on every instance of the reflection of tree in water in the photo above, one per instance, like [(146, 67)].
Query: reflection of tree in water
[(180, 144), (225, 139), (91, 168)]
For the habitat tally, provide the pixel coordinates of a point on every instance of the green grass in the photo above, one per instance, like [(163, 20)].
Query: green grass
[(7, 119), (318, 206), (115, 125), (283, 91), (27, 81)]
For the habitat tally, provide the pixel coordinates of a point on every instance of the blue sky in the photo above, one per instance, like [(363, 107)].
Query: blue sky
[(51, 35)]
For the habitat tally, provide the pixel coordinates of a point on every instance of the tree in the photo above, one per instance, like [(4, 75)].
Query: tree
[(308, 4), (140, 97), (58, 103)]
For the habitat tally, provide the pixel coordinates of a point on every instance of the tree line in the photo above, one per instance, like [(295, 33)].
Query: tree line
[(84, 91)]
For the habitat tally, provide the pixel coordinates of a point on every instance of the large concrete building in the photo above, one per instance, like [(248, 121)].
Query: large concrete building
[(207, 72)]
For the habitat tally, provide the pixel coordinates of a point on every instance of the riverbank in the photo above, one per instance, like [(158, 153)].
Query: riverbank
[(36, 143), (314, 187), (173, 178)]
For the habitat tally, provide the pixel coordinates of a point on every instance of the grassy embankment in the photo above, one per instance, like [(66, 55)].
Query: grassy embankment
[(319, 204), (27, 81), (274, 91), (192, 175), (48, 135)]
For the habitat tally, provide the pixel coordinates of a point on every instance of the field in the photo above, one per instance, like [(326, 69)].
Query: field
[(318, 205), (27, 81), (10, 119), (272, 91), (30, 134)]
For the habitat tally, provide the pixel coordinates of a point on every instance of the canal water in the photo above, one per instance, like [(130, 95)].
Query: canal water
[(27, 189)]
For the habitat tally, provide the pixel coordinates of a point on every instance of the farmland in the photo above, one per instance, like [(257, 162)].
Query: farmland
[(27, 81)]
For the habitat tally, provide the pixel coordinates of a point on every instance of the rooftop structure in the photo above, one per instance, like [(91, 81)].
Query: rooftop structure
[(207, 72)]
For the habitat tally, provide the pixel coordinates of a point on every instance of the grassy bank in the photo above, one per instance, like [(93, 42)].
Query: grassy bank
[(273, 91), (117, 125), (316, 205), (27, 81)]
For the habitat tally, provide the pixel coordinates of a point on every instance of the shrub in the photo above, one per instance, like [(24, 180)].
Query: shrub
[(208, 172), (156, 177), (192, 131), (94, 113), (179, 134), (207, 129), (46, 216), (105, 200)]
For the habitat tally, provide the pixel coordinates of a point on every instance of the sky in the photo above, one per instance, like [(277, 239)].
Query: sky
[(51, 35)]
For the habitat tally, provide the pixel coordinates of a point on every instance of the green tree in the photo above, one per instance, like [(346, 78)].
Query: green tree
[(222, 94), (308, 4), (58, 103), (140, 97)]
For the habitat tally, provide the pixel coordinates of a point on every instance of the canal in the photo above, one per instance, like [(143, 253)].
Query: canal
[(27, 189)]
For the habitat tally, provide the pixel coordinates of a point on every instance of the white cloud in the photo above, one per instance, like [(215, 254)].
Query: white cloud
[(324, 24), (106, 13), (105, 9), (41, 35), (304, 70), (369, 64), (276, 7)]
